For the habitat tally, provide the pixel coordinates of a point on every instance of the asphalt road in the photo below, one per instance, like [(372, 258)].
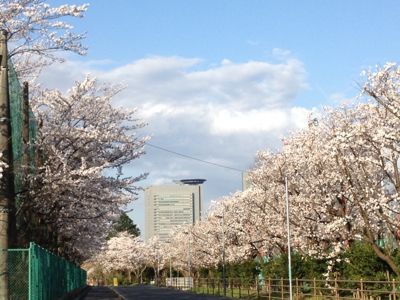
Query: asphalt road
[(101, 293), (146, 292)]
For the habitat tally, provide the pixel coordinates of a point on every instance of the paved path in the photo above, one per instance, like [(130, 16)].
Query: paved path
[(101, 293), (146, 292)]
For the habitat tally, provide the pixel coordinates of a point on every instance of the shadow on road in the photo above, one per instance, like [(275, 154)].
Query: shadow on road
[(146, 292), (101, 293)]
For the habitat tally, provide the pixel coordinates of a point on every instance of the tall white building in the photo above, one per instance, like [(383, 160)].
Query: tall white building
[(171, 205)]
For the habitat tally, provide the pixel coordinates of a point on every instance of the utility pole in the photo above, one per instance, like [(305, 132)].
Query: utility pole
[(5, 182), (223, 251)]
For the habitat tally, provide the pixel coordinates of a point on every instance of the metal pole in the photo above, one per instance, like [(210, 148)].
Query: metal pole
[(288, 239), (158, 268), (5, 182), (223, 251), (170, 272), (190, 258)]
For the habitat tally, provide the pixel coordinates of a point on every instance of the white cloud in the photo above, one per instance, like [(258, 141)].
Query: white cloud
[(253, 42), (341, 99), (253, 121), (281, 53), (222, 113), (229, 122)]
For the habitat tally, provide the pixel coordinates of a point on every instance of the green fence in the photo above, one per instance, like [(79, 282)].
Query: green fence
[(37, 274), (23, 150), (18, 266)]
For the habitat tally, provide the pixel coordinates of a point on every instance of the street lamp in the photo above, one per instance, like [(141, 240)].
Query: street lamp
[(158, 268), (189, 233), (190, 257), (170, 271), (288, 239), (170, 261), (223, 249)]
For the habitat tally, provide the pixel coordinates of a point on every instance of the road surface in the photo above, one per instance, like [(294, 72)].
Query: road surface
[(101, 293), (144, 292)]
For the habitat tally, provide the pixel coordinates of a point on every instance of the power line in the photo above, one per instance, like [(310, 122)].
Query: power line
[(194, 158)]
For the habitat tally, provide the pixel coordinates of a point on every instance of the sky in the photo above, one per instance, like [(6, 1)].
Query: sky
[(220, 80)]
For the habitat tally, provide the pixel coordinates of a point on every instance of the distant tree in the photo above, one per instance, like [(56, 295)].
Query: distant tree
[(124, 223), (302, 266), (361, 261)]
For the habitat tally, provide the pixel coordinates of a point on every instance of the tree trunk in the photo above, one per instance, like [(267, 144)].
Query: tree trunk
[(385, 258)]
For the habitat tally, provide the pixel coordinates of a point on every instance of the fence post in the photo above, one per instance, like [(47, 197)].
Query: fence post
[(231, 282), (315, 287), (361, 289), (240, 285), (336, 289), (394, 289), (282, 293), (30, 277), (297, 288), (248, 287), (269, 289), (257, 287)]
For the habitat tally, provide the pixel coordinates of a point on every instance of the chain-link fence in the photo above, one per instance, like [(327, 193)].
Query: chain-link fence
[(22, 138), (37, 274), (18, 266), (52, 276), (23, 129)]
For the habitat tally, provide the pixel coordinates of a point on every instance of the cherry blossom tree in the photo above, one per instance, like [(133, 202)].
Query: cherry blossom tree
[(205, 244), (343, 176), (83, 142), (79, 187), (343, 181), (184, 247), (123, 253), (155, 256), (38, 32)]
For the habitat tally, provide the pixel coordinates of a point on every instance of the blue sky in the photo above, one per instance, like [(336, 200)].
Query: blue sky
[(334, 39), (220, 80)]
